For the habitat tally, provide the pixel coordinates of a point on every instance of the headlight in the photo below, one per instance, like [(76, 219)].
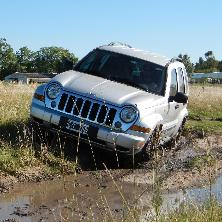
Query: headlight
[(53, 90), (128, 114)]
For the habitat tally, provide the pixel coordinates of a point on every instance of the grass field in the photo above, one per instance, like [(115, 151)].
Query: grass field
[(16, 147), (210, 212), (205, 108), (18, 156)]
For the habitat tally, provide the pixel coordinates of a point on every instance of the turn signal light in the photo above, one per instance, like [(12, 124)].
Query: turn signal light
[(140, 129), (39, 97)]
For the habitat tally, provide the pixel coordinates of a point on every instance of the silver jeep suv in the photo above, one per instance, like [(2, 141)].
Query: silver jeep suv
[(115, 98)]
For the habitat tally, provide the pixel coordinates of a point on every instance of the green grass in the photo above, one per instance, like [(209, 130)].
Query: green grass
[(205, 125), (14, 160), (17, 154), (210, 212), (16, 147), (201, 161), (205, 109), (11, 160)]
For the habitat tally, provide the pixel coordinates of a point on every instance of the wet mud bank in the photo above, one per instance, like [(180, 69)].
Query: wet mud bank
[(109, 187)]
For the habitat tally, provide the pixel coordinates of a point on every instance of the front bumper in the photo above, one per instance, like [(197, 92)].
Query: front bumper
[(99, 136)]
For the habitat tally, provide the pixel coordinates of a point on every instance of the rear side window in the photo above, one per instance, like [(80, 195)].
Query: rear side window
[(173, 84), (181, 80), (186, 80)]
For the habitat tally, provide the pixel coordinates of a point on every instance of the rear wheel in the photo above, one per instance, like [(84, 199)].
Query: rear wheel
[(175, 140)]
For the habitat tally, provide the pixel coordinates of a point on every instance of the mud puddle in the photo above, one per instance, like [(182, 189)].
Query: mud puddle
[(195, 196), (71, 198), (68, 199), (97, 194)]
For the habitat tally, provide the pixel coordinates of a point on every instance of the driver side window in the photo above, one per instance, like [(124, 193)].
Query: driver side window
[(174, 83)]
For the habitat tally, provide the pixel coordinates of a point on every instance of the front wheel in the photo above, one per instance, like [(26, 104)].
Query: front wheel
[(153, 143)]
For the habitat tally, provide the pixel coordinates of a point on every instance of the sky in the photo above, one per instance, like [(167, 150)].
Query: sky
[(167, 27)]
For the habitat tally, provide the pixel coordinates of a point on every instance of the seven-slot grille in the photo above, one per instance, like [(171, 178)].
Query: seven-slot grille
[(87, 109)]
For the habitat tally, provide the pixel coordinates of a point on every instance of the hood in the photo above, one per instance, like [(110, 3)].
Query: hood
[(110, 91)]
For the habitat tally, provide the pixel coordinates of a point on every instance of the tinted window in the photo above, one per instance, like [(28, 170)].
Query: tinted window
[(173, 84), (124, 69), (186, 80), (181, 80)]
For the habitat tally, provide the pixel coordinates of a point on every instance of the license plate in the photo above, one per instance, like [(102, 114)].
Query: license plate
[(77, 126)]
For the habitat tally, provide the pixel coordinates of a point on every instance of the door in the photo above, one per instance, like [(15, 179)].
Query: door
[(174, 108)]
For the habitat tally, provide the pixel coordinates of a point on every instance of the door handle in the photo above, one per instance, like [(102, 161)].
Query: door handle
[(177, 106)]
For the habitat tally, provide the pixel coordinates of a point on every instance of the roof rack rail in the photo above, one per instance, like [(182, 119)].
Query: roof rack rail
[(174, 59), (120, 44)]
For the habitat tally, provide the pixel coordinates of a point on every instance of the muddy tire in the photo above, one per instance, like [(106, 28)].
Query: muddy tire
[(174, 141), (152, 144)]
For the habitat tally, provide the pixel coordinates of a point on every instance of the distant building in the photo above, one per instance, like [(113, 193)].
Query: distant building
[(214, 77), (27, 78)]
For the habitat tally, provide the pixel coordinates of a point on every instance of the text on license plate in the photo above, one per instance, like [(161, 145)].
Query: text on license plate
[(77, 127)]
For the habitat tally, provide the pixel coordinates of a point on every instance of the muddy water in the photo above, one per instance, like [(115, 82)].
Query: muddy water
[(69, 198), (83, 198), (172, 201), (92, 195), (95, 195)]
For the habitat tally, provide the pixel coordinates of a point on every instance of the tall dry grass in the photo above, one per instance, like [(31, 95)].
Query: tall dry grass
[(16, 136), (206, 101), (15, 102)]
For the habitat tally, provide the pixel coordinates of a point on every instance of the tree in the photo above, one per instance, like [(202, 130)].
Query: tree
[(201, 61), (26, 60), (46, 60), (54, 60), (187, 62), (220, 66), (209, 54), (199, 65), (208, 65), (8, 59), (212, 65)]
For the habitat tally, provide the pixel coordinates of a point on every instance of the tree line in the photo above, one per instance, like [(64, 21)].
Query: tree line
[(46, 60), (57, 60), (207, 64)]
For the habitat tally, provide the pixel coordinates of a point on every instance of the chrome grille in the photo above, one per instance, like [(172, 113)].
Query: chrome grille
[(87, 109)]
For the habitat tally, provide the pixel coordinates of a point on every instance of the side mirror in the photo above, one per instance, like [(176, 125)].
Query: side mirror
[(180, 98)]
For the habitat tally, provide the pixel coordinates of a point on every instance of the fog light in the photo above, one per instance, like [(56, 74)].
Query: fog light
[(118, 124), (53, 104)]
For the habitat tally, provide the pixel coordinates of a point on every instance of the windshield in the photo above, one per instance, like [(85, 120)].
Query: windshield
[(124, 69)]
